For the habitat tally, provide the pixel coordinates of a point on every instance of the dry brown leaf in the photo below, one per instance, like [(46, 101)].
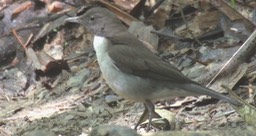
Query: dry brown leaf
[(24, 6), (126, 4), (56, 6), (125, 17)]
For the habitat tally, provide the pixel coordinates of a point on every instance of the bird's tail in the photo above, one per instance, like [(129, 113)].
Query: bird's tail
[(198, 89)]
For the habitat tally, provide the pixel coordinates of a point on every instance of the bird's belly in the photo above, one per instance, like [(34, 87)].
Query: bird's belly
[(125, 85)]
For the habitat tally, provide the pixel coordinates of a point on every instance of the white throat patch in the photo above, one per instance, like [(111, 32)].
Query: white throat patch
[(99, 41), (100, 44)]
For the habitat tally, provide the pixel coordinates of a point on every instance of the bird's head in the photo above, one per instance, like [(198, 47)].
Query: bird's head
[(97, 20)]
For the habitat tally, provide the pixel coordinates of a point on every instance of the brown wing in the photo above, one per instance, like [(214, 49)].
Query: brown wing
[(144, 64)]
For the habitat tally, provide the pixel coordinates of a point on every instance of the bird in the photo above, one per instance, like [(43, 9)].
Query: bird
[(130, 69)]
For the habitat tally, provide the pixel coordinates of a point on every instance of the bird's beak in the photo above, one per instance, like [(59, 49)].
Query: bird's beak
[(72, 19)]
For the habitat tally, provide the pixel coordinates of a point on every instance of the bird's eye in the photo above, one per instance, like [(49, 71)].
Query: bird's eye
[(92, 18)]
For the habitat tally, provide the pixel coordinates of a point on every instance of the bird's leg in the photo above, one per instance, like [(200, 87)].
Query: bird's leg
[(151, 109), (141, 117)]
